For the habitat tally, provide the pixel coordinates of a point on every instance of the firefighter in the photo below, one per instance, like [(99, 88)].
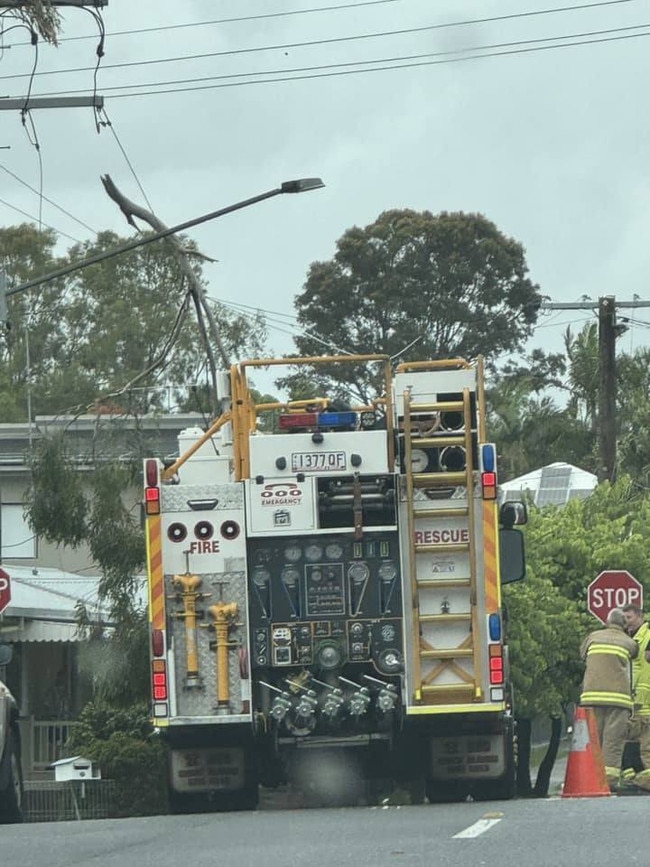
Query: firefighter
[(607, 687), (639, 727)]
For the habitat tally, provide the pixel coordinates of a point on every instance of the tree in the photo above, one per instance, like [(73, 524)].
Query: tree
[(528, 425), (547, 613), (117, 328), (415, 285), (42, 16)]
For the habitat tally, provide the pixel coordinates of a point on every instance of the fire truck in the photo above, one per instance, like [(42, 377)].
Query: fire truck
[(325, 592)]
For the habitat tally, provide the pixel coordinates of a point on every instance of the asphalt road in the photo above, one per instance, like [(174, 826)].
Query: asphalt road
[(585, 832)]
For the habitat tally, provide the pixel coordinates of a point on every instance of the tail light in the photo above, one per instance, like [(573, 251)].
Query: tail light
[(496, 665), (157, 642), (159, 680), (489, 485), (488, 471), (152, 490)]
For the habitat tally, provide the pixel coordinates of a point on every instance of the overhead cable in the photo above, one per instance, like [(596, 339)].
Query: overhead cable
[(313, 42)]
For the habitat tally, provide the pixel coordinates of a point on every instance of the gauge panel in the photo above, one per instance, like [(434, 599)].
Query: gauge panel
[(324, 577)]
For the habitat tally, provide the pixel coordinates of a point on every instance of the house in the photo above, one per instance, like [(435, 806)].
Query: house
[(554, 484), (49, 674)]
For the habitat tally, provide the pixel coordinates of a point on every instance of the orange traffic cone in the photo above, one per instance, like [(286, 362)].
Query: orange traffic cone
[(585, 771)]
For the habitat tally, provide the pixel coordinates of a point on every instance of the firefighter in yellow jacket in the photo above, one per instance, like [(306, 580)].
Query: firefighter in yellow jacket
[(639, 728), (607, 687)]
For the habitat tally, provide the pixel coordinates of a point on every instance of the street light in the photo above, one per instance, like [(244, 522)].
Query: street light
[(301, 185)]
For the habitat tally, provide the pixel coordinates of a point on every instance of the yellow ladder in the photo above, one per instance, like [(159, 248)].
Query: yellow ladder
[(445, 664)]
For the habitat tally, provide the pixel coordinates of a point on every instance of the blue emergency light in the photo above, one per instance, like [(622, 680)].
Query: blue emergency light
[(488, 458), (336, 420), (494, 627)]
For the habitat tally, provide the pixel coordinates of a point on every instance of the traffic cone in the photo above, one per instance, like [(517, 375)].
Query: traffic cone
[(585, 771)]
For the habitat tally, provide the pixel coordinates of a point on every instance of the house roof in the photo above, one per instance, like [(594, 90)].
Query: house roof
[(44, 602), (554, 484)]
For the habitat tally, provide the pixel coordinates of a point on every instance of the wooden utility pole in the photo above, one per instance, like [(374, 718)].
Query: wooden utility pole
[(607, 388), (608, 331)]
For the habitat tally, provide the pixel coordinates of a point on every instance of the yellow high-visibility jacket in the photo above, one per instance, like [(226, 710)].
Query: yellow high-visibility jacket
[(608, 653), (641, 672)]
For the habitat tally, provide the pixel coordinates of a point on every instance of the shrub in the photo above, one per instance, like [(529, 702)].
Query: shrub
[(122, 742)]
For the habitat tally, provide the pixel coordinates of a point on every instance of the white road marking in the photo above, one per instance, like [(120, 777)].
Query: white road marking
[(488, 821)]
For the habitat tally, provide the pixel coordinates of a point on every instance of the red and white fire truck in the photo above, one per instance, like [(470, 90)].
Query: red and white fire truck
[(325, 592)]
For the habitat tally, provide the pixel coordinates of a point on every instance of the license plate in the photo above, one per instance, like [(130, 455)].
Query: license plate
[(203, 769), (313, 462)]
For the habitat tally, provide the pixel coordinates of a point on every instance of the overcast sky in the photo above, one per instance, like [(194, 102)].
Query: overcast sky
[(552, 145)]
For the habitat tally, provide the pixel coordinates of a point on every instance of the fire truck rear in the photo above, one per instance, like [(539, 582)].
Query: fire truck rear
[(325, 593)]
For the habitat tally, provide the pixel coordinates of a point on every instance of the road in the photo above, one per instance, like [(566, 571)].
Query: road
[(586, 832)]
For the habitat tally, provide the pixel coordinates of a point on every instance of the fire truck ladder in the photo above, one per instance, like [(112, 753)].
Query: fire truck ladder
[(445, 664)]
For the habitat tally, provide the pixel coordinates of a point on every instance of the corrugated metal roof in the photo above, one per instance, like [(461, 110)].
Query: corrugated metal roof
[(43, 604), (50, 594), (41, 630)]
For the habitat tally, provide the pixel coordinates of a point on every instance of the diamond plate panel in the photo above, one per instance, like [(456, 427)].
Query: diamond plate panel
[(228, 586), (175, 497)]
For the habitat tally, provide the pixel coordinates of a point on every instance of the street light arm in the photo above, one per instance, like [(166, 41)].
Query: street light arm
[(287, 187)]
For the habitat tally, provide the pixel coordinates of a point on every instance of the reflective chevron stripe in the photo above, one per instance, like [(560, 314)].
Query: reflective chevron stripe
[(598, 697), (610, 649)]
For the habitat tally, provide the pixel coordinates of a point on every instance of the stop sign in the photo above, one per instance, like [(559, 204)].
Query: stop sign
[(5, 590), (613, 588)]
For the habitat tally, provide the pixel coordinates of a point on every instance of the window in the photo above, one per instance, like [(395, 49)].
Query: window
[(18, 540)]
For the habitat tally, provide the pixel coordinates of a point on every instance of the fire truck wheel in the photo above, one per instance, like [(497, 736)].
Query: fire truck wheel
[(446, 793), (11, 780), (503, 789)]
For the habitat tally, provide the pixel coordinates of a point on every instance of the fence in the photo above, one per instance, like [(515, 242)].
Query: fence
[(43, 743), (48, 801)]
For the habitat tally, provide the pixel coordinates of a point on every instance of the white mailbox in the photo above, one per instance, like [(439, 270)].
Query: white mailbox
[(75, 768)]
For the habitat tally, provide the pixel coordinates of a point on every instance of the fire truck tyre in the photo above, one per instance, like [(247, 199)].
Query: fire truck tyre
[(11, 783), (446, 793), (503, 789)]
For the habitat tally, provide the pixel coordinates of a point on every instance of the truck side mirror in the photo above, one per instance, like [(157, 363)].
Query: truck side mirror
[(511, 513), (512, 560)]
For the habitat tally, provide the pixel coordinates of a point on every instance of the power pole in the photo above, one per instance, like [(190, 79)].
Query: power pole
[(608, 331), (52, 102), (607, 388)]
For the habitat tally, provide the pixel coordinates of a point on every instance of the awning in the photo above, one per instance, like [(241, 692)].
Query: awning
[(41, 630)]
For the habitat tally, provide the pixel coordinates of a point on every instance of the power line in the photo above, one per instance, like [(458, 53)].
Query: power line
[(347, 64), (317, 42), (49, 201), (36, 220), (104, 120), (244, 18), (336, 74)]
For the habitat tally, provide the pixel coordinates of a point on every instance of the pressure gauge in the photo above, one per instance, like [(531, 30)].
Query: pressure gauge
[(334, 551), (290, 576), (419, 460), (358, 572), (292, 553), (387, 570), (313, 552), (261, 576)]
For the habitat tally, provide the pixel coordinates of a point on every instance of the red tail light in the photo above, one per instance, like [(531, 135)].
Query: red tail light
[(151, 473), (152, 501), (157, 642), (496, 670), (489, 485), (159, 680)]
